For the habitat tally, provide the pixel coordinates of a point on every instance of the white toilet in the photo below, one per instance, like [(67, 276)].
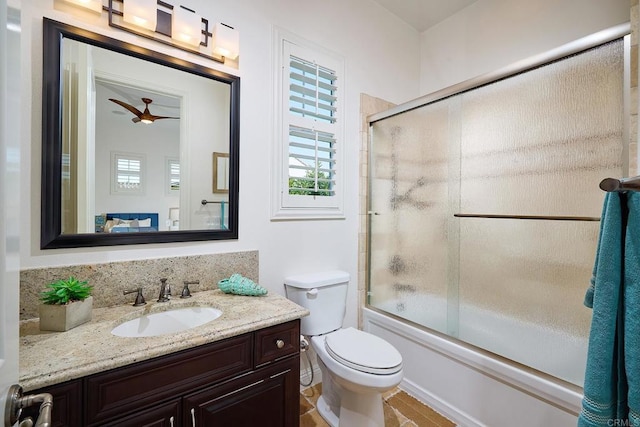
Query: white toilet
[(356, 367)]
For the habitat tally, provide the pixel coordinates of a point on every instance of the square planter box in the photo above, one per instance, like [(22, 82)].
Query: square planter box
[(61, 318)]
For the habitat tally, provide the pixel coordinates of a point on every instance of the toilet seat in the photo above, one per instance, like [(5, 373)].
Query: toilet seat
[(363, 352)]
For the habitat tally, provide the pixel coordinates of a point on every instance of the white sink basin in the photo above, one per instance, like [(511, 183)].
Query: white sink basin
[(166, 322)]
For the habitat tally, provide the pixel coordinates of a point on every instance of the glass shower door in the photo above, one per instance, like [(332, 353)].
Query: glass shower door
[(410, 215), (484, 208)]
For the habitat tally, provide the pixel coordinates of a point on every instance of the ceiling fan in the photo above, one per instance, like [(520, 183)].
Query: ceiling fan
[(144, 117)]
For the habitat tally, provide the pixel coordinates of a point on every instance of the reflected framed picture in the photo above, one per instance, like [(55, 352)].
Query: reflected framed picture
[(221, 173)]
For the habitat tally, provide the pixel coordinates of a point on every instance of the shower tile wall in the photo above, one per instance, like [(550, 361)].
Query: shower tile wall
[(535, 144)]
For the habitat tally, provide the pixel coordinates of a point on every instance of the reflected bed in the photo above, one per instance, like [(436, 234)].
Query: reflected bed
[(131, 222)]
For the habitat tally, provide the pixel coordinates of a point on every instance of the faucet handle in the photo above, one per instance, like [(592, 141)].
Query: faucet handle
[(139, 297), (186, 293)]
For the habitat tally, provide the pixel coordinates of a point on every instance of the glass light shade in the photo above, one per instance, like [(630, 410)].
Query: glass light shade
[(94, 5), (186, 26), (226, 41), (141, 13)]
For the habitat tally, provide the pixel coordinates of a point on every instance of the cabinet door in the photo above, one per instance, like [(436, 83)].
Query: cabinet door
[(67, 404), (162, 415), (268, 397)]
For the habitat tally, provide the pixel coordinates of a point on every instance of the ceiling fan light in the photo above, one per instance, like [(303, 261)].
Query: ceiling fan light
[(146, 121), (141, 13), (226, 41), (186, 26)]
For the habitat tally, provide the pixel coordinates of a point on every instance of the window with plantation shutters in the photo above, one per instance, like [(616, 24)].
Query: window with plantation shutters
[(310, 132), (127, 173), (173, 175)]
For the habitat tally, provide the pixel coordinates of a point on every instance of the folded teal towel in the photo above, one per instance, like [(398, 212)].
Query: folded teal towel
[(612, 377)]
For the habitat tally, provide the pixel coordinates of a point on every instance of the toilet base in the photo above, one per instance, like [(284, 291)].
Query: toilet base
[(355, 410), (325, 412), (341, 407)]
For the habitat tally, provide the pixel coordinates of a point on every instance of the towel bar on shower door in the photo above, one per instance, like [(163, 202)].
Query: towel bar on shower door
[(624, 184), (536, 217)]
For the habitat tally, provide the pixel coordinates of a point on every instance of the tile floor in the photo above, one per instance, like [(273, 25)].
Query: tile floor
[(400, 410)]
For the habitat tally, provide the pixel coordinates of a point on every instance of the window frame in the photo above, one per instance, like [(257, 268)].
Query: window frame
[(287, 206), (169, 161), (115, 187)]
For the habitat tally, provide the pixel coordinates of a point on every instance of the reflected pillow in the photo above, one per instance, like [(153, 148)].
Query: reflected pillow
[(144, 222)]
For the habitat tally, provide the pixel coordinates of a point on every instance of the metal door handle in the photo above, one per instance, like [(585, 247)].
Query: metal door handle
[(16, 401)]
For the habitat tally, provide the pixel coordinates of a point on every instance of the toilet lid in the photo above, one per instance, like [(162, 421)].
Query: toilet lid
[(362, 351)]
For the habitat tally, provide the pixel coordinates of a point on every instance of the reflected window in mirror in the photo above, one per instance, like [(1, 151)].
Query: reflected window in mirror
[(173, 176), (126, 137)]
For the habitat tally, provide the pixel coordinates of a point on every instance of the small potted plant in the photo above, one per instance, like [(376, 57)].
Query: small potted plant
[(65, 305)]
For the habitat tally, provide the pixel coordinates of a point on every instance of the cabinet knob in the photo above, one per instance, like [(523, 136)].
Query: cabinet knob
[(279, 343)]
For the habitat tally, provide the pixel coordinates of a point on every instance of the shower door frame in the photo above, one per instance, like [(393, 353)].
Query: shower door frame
[(621, 31)]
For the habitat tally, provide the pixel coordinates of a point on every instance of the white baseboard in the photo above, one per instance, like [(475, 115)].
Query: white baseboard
[(461, 418)]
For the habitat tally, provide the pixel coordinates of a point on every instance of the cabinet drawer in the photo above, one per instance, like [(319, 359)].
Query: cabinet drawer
[(121, 391), (276, 342)]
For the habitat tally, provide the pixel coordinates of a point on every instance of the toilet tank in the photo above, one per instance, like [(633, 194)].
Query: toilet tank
[(324, 294)]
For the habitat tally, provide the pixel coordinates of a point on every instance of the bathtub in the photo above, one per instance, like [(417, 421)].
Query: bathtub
[(474, 387)]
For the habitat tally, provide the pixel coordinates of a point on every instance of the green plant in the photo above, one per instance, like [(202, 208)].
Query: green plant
[(306, 186), (65, 291)]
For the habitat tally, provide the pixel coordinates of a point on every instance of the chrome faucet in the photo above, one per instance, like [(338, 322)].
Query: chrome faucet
[(165, 291), (186, 293), (139, 297)]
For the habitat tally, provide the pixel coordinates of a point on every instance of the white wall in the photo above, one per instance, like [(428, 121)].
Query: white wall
[(491, 34), (382, 59), (361, 31)]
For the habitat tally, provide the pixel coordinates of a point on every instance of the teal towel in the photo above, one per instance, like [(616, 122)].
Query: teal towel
[(632, 308), (612, 377)]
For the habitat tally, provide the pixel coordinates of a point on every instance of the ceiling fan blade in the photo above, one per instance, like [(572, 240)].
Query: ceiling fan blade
[(164, 117), (136, 119), (131, 108)]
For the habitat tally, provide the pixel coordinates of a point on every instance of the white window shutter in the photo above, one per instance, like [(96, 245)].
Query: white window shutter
[(310, 133), (127, 173)]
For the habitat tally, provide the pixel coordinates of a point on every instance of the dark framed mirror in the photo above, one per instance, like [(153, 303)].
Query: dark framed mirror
[(127, 141)]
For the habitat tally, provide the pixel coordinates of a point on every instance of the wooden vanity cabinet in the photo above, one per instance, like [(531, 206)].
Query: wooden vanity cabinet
[(247, 380), (67, 404)]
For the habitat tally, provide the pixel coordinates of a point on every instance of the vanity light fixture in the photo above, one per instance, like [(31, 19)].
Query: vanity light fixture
[(177, 26), (141, 13), (226, 41), (186, 26), (93, 5)]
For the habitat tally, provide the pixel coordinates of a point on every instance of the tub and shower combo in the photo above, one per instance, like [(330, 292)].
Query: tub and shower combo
[(483, 222)]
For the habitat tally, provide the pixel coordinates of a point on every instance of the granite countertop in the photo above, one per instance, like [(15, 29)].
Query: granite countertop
[(48, 358)]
